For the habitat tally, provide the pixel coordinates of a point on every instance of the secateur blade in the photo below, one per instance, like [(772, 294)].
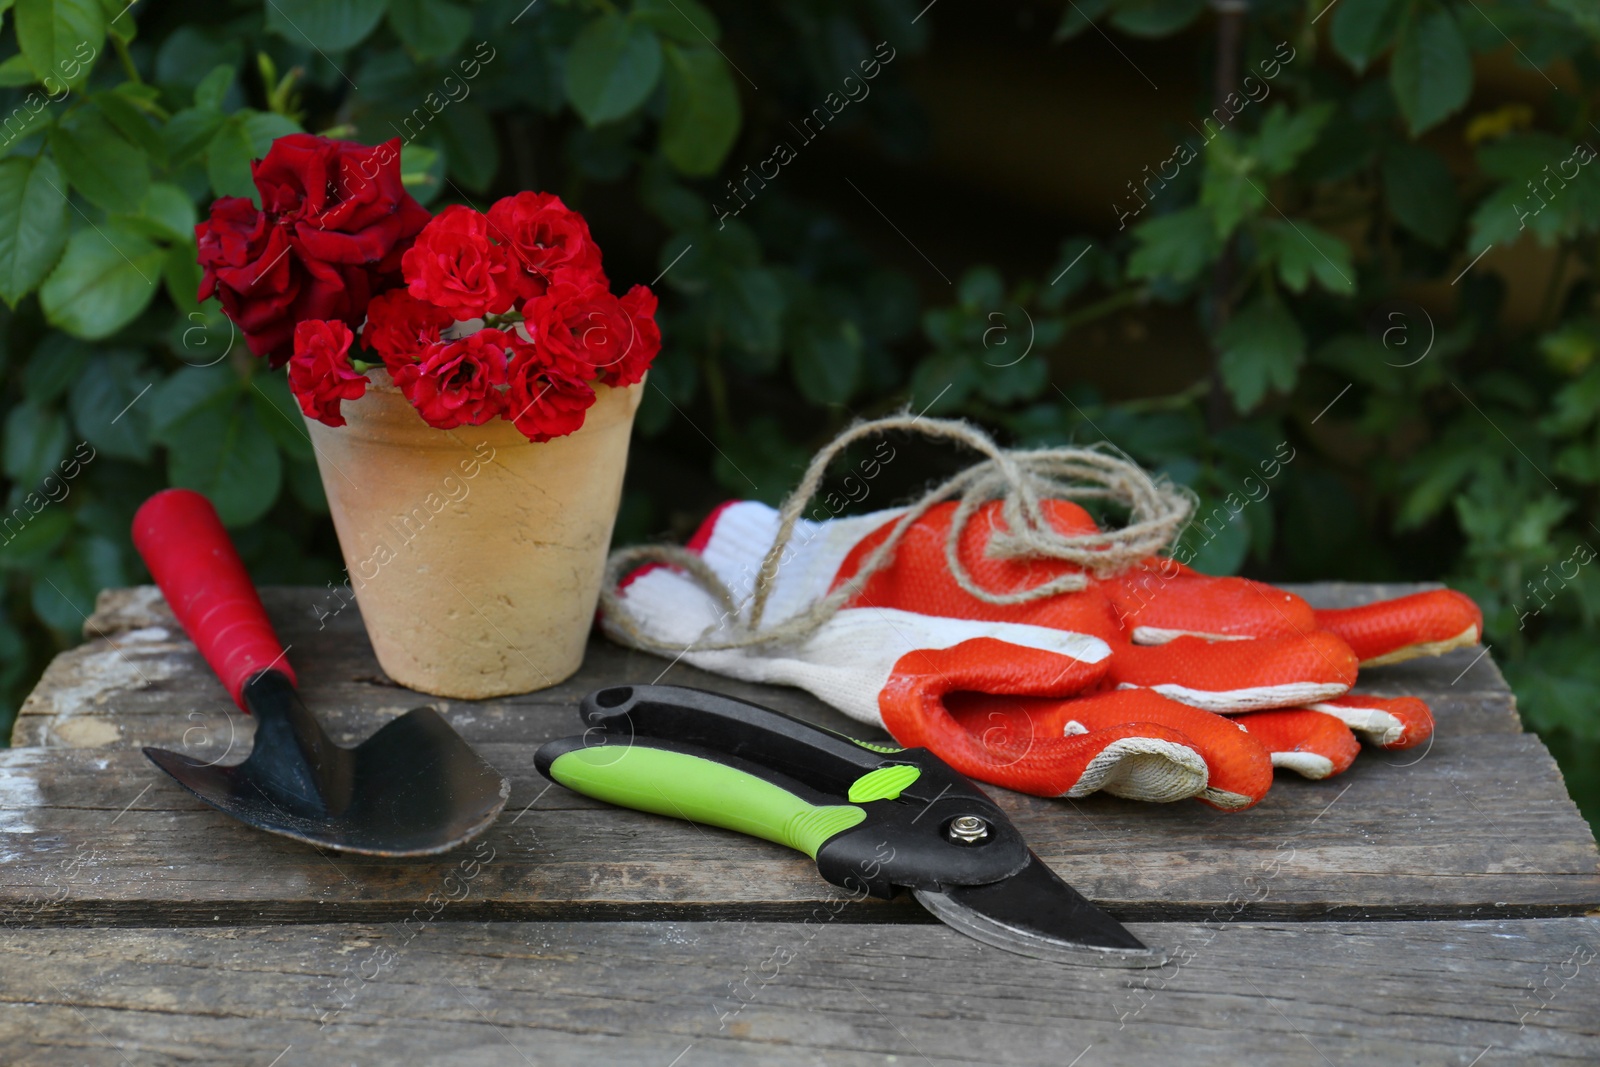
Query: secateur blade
[(411, 789)]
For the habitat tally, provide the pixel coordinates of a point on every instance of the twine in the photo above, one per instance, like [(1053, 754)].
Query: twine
[(1021, 479)]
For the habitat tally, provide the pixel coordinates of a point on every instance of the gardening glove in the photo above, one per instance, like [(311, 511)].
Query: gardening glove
[(1009, 706), (906, 670), (1228, 645)]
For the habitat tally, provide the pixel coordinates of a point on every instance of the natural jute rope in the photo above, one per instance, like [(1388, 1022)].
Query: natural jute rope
[(1020, 479)]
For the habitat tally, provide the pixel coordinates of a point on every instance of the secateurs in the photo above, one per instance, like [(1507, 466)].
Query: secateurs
[(876, 819)]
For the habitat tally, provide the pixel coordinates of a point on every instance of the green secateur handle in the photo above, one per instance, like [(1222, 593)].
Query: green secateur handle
[(703, 790), (872, 816)]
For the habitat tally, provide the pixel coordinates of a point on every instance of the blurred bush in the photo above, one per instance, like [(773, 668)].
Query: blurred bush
[(1329, 217)]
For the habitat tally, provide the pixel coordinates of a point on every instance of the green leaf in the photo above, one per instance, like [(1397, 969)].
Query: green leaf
[(1420, 192), (1285, 137), (421, 171), (223, 451), (429, 27), (942, 382), (214, 86), (702, 117), (826, 359), (57, 361), (245, 136), (187, 133), (33, 223), (1177, 246), (110, 406), (1219, 537), (17, 72), (167, 214), (131, 122), (1363, 28), (1227, 187), (35, 441), (612, 67), (1431, 72), (25, 542), (1079, 16), (181, 275), (99, 162), (1500, 217), (685, 21), (1583, 12), (105, 279), (327, 25), (1154, 18), (1009, 372), (1302, 252), (471, 149), (185, 393), (61, 38), (68, 585), (123, 29), (1262, 349), (750, 305), (279, 412)]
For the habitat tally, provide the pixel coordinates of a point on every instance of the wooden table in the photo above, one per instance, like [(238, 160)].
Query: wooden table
[(1435, 906)]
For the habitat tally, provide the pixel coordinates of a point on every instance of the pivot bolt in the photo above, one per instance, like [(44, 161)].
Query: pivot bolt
[(968, 830)]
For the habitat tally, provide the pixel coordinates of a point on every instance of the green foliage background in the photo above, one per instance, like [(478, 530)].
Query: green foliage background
[(1477, 463)]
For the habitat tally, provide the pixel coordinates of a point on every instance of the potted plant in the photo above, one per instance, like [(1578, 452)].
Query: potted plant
[(468, 382)]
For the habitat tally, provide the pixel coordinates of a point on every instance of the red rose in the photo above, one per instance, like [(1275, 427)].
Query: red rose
[(320, 374), (458, 383), (545, 238), (582, 325), (454, 266), (545, 400), (333, 224), (400, 327), (346, 200), (640, 305)]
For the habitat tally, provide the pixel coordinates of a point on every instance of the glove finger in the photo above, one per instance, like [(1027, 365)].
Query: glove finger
[(1230, 676), (999, 689), (1238, 768), (1422, 624), (1386, 722), (1157, 603), (1312, 743)]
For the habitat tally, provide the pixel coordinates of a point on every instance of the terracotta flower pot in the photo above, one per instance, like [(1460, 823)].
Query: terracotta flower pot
[(475, 555)]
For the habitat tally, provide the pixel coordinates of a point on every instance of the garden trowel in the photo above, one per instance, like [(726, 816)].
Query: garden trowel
[(411, 789)]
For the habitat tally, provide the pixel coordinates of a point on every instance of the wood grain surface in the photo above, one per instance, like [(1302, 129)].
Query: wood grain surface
[(1477, 825), (693, 994), (586, 934)]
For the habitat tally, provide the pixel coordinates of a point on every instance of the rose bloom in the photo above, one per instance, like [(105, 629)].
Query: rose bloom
[(332, 227), (640, 305), (400, 327), (453, 265), (545, 399), (591, 332), (457, 383), (320, 374), (545, 238)]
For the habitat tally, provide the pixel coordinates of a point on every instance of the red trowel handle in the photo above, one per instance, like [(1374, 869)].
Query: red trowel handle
[(189, 553)]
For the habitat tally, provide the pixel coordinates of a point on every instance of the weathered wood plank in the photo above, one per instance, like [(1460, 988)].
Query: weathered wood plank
[(1477, 824), (1468, 830), (661, 993)]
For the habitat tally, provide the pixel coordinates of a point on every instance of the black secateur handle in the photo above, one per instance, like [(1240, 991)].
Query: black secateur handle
[(905, 839)]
